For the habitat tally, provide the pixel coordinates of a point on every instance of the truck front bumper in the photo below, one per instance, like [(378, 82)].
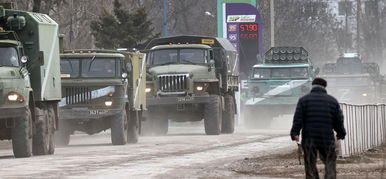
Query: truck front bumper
[(167, 100), (6, 113), (87, 114)]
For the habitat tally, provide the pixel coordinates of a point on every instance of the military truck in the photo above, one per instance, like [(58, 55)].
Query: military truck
[(351, 80), (275, 86), (29, 81), (191, 78), (102, 89)]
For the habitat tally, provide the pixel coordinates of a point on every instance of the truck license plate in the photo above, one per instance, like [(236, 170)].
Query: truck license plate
[(185, 99), (97, 112)]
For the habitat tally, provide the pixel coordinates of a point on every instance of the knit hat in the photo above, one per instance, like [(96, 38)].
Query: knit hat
[(320, 81)]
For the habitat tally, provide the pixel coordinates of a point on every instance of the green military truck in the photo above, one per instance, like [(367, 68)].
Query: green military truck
[(191, 78), (351, 80), (29, 81), (275, 86), (102, 89)]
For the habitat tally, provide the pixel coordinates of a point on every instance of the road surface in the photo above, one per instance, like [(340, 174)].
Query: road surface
[(185, 152)]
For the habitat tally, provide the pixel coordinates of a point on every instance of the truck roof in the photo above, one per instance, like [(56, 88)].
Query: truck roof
[(213, 42), (83, 55), (281, 65), (180, 46), (10, 42)]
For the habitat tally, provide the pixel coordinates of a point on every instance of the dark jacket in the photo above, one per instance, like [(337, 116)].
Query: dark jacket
[(318, 115)]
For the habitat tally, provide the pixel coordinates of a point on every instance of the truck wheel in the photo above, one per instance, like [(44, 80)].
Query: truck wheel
[(119, 129), (228, 120), (43, 138), (22, 136), (62, 136), (133, 127), (212, 117)]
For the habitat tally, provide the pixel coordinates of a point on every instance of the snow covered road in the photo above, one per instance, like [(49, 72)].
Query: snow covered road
[(168, 156)]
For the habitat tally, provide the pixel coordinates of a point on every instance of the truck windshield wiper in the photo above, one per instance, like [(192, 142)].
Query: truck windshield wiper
[(92, 61), (190, 62), (168, 63)]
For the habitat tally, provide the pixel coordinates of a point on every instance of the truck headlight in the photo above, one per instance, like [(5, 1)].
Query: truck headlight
[(199, 88), (108, 103), (148, 90), (13, 96), (364, 94)]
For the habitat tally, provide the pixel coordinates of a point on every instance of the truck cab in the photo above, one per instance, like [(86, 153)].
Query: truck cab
[(102, 89), (189, 78), (353, 81), (275, 86)]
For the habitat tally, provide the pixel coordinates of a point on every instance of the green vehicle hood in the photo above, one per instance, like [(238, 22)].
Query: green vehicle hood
[(269, 89), (9, 73), (198, 71)]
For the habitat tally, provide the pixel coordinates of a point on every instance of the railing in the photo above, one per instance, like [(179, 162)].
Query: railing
[(365, 126)]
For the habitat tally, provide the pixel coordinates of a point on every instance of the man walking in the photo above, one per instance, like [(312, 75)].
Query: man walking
[(318, 115)]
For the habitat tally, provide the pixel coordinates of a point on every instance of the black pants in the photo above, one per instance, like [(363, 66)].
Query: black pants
[(327, 155)]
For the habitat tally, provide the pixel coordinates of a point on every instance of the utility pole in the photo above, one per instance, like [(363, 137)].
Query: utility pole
[(165, 20), (359, 22), (272, 13), (379, 46)]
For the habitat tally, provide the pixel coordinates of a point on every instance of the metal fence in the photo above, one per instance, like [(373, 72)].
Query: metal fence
[(365, 126)]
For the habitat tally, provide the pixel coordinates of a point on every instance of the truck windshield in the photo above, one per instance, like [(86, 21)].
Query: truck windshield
[(89, 67), (69, 68), (175, 56), (349, 65), (8, 56), (98, 67), (278, 73)]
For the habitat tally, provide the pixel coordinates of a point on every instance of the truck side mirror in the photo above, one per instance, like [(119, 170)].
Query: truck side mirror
[(211, 64), (124, 75), (24, 60), (128, 67)]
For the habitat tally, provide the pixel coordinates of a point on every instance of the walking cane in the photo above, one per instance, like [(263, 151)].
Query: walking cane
[(300, 153)]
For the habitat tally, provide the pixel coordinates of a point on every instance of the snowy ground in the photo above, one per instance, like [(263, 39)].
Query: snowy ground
[(185, 152)]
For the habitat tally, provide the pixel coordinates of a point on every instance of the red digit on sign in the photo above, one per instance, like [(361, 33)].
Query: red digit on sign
[(242, 28), (251, 27)]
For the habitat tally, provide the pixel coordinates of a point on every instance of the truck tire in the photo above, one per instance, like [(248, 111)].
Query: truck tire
[(119, 129), (62, 136), (212, 116), (43, 138), (133, 127), (22, 136), (228, 115)]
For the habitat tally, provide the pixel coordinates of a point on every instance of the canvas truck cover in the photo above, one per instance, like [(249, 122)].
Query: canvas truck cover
[(40, 39)]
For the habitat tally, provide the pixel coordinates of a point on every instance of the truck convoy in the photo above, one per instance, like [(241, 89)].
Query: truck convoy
[(191, 78), (30, 86), (275, 86), (351, 80), (102, 89)]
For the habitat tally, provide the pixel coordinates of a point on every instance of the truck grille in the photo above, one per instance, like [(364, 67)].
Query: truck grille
[(173, 82), (77, 95)]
